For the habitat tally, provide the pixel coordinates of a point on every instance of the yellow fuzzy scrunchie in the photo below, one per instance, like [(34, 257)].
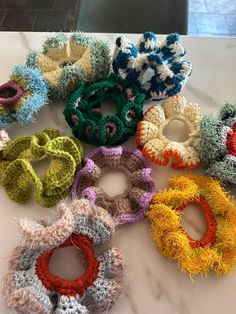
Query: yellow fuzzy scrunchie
[(217, 249), (17, 173)]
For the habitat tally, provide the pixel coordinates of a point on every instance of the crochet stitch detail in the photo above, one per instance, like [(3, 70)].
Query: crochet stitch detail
[(4, 139), (159, 149), (22, 96), (66, 62), (16, 171), (84, 116), (158, 68), (129, 206), (217, 249), (218, 144), (29, 286)]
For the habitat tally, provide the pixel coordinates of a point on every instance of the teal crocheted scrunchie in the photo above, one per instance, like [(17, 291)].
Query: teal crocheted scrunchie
[(84, 116)]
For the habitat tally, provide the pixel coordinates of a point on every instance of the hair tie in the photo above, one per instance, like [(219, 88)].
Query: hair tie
[(66, 62), (217, 249), (4, 139), (16, 171), (131, 205), (218, 144), (84, 116), (158, 68), (29, 285), (157, 147), (22, 96)]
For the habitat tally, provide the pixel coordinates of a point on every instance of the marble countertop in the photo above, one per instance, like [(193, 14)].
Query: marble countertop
[(153, 284)]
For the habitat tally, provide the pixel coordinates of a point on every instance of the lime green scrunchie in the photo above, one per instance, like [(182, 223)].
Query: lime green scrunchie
[(16, 171)]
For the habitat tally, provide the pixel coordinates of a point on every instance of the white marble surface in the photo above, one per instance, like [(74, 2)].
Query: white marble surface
[(153, 284)]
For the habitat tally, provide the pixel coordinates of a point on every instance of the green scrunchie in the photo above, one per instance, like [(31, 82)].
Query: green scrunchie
[(83, 111), (16, 171)]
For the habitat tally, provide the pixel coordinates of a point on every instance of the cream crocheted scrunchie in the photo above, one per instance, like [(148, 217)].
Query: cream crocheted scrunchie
[(157, 147), (66, 62)]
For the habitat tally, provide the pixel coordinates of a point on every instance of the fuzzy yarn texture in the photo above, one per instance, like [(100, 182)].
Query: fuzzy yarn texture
[(22, 96), (29, 286), (216, 251), (17, 172), (84, 116), (218, 144), (157, 67), (4, 139), (161, 150), (66, 62), (131, 205)]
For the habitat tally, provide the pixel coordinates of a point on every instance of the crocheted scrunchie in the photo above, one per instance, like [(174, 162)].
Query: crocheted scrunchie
[(4, 139), (218, 144), (129, 206), (84, 116), (158, 68), (29, 286), (66, 61), (157, 147), (22, 96), (17, 173), (217, 249)]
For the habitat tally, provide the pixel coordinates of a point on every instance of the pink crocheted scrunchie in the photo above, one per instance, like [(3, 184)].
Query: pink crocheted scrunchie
[(129, 206), (30, 287)]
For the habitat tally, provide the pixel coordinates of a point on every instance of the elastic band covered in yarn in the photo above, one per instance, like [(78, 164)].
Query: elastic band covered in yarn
[(158, 68), (129, 206), (30, 287), (84, 116), (217, 249), (66, 62), (157, 147), (218, 144), (22, 96), (4, 139), (16, 171)]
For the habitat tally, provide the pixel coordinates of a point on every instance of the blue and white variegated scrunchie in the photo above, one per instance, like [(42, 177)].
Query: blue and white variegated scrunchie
[(158, 68)]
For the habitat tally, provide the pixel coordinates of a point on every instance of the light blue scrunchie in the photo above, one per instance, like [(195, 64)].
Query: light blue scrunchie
[(22, 96)]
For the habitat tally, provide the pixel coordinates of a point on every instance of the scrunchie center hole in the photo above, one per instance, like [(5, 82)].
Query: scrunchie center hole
[(147, 75), (176, 131), (193, 221), (7, 92), (41, 166), (113, 183), (231, 142), (67, 63), (67, 263), (108, 107)]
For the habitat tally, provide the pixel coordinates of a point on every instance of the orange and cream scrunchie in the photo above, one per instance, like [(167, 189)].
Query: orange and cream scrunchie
[(217, 249), (157, 147)]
